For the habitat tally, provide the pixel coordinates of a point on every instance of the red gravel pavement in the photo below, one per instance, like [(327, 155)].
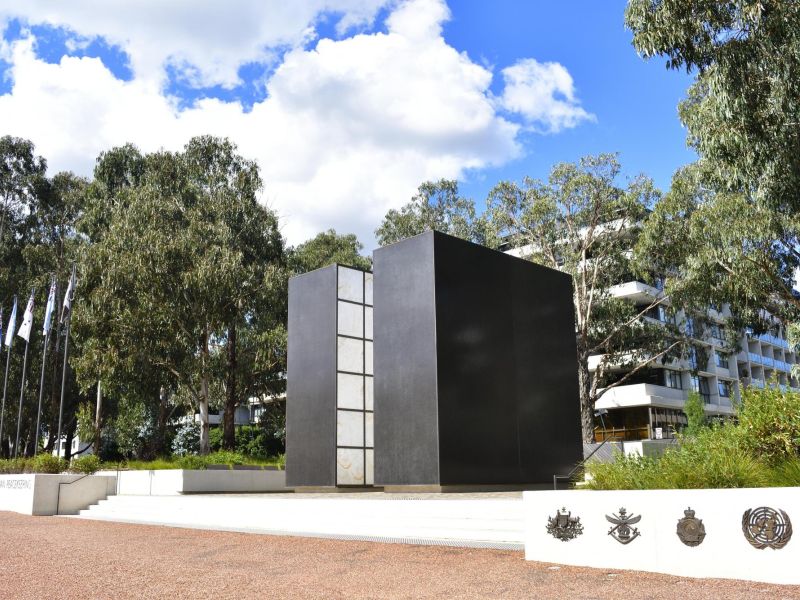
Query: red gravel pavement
[(56, 557)]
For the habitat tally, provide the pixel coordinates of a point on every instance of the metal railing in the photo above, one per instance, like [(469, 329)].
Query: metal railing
[(569, 475), (60, 483)]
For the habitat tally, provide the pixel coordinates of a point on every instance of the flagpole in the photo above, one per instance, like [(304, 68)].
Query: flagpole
[(41, 393), (21, 396), (67, 302), (5, 385), (12, 323)]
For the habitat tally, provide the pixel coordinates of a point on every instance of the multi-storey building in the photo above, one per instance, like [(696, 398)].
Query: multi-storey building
[(649, 405)]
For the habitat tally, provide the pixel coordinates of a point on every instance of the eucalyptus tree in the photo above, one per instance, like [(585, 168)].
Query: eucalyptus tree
[(581, 222), (438, 206), (181, 258), (328, 248)]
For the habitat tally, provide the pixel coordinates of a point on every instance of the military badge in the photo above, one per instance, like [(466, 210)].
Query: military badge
[(622, 530), (564, 526), (691, 530), (766, 527)]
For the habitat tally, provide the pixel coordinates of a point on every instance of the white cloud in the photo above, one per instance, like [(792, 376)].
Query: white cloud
[(348, 129), (544, 94)]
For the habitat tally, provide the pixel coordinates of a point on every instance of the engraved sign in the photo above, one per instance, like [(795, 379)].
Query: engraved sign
[(564, 526), (622, 530), (691, 530), (766, 527)]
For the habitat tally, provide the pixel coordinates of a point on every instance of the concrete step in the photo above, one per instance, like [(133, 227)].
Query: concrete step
[(483, 523)]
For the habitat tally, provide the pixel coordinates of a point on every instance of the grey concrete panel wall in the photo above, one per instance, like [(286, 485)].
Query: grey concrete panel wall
[(507, 369), (406, 431), (311, 380)]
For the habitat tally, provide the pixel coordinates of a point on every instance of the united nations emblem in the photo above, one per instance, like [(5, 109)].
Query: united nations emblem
[(564, 526), (691, 530), (622, 530), (766, 527)]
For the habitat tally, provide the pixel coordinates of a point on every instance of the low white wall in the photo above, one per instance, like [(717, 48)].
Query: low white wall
[(41, 494), (724, 553), (170, 482)]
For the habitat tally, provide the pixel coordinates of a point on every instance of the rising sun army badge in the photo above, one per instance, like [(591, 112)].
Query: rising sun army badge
[(691, 530), (564, 526), (766, 527), (622, 530)]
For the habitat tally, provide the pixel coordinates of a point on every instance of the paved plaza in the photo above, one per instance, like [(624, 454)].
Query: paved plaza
[(62, 557)]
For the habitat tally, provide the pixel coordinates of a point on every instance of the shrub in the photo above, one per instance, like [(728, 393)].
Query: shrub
[(85, 464), (786, 473), (225, 457), (191, 461), (251, 440), (187, 439), (13, 466), (47, 463), (713, 458), (769, 420), (695, 413)]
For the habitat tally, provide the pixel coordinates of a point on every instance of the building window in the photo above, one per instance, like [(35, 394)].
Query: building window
[(693, 357), (700, 385), (690, 326), (717, 332), (721, 359), (672, 379), (724, 388)]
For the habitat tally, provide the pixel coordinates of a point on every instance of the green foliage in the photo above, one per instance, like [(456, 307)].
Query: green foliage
[(85, 464), (762, 449), (47, 463), (695, 413), (770, 423), (187, 439), (436, 206), (190, 461), (254, 441), (713, 458), (86, 430), (327, 248), (129, 426), (13, 466)]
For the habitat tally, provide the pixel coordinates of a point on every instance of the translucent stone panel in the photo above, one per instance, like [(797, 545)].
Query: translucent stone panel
[(351, 319), (368, 288), (368, 403), (370, 467), (368, 323), (350, 355), (349, 428), (368, 358), (369, 429), (349, 466), (350, 391), (351, 284)]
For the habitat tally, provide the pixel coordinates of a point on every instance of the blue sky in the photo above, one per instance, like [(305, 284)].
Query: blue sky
[(347, 105)]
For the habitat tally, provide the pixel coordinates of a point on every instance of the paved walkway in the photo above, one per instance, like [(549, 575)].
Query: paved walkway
[(56, 557)]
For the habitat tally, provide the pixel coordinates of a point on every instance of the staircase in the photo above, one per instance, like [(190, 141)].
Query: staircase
[(471, 520)]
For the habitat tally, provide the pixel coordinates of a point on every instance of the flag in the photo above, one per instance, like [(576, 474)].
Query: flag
[(68, 298), (12, 324), (51, 306), (27, 320)]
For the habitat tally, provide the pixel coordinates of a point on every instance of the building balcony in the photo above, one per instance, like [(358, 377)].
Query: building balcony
[(635, 291), (642, 394)]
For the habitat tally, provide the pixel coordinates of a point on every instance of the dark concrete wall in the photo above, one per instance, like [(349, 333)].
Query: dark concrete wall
[(311, 380), (406, 431), (475, 367), (507, 367)]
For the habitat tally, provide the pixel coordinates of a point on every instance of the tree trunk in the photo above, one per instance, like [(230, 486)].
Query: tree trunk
[(587, 406), (203, 400), (161, 423), (229, 430), (68, 440), (98, 420)]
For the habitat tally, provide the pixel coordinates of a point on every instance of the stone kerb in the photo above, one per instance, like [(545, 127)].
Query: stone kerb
[(43, 494), (171, 482), (724, 551)]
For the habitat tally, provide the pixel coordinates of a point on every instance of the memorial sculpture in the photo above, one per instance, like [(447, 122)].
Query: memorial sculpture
[(475, 374)]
